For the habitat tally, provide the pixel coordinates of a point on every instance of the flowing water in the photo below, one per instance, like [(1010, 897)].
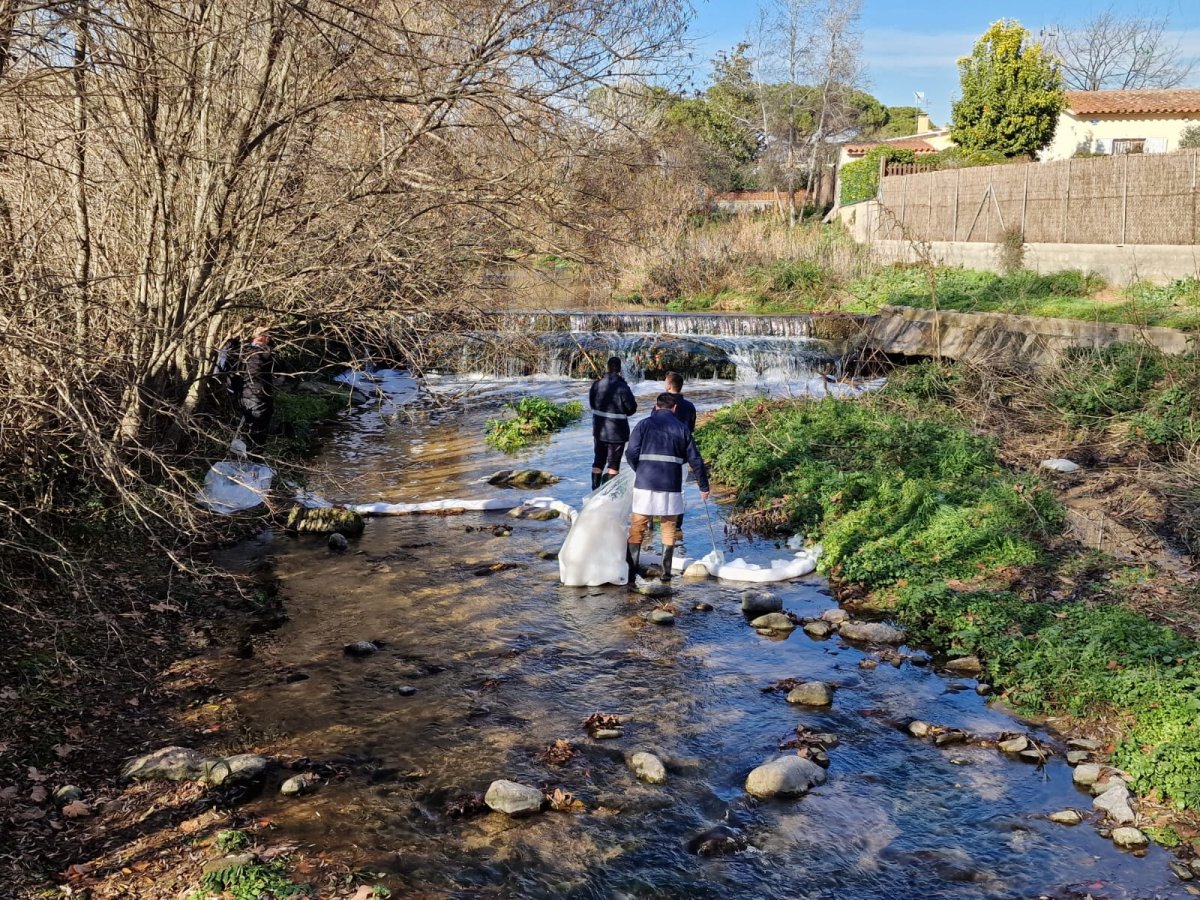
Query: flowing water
[(503, 665)]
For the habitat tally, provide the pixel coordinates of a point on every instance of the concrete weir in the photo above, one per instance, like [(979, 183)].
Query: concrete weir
[(1005, 339)]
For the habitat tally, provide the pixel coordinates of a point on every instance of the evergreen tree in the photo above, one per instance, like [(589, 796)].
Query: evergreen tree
[(1012, 94)]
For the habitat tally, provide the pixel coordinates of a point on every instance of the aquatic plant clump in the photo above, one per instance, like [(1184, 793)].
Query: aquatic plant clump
[(534, 418)]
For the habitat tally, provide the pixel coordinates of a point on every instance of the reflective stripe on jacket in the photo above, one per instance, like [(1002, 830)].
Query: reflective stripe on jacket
[(612, 404), (658, 449)]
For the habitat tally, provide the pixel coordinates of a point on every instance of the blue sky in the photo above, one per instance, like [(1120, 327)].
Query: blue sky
[(912, 46)]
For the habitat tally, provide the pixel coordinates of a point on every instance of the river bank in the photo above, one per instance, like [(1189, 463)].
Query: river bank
[(932, 507)]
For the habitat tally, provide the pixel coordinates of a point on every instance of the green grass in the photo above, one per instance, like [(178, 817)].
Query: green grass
[(907, 501), (534, 418)]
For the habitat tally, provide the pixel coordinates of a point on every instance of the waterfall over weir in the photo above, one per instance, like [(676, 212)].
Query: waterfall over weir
[(700, 346)]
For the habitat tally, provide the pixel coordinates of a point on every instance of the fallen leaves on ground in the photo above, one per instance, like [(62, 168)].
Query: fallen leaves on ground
[(564, 802), (601, 720), (559, 753)]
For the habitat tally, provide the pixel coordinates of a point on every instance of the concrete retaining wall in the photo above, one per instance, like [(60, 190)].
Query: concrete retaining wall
[(1118, 264), (1002, 339)]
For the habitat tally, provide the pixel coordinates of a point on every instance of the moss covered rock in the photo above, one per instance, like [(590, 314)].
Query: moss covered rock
[(325, 521)]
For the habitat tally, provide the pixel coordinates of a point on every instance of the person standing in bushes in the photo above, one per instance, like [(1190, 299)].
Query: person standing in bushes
[(254, 389), (685, 412), (612, 404), (659, 448)]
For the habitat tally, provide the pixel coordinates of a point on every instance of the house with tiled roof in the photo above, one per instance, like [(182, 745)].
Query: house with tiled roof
[(1116, 122), (927, 140)]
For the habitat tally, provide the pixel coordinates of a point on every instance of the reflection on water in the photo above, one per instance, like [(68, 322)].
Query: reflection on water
[(504, 665)]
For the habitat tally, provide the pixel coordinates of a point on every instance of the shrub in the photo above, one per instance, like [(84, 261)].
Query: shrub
[(1190, 139), (535, 417), (1010, 250), (860, 179)]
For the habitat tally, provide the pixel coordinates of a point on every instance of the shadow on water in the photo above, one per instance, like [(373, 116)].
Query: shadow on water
[(503, 666)]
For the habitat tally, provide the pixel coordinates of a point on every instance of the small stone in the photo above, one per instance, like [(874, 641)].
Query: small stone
[(652, 588), (818, 629), (68, 793), (950, 737), (1129, 838), (820, 757), (1062, 466), (661, 617), (703, 607), (1086, 775), (868, 664), (959, 761), (237, 769), (167, 764), (757, 602), (773, 622), (965, 665), (811, 693), (304, 783), (1115, 804), (361, 648), (648, 768), (337, 543), (547, 554), (1085, 744), (606, 734), (1033, 755), (696, 570), (835, 616), (235, 861), (1180, 871), (406, 690), (789, 776), (1075, 757), (1014, 745), (920, 658), (983, 689), (872, 632), (1066, 817), (501, 531), (514, 799), (919, 729), (721, 840), (1195, 865)]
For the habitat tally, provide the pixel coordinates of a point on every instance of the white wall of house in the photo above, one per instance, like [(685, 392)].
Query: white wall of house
[(1097, 133)]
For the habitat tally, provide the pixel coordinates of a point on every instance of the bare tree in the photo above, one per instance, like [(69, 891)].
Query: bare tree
[(1115, 52)]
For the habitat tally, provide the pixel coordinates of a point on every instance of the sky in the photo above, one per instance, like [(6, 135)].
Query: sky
[(913, 46)]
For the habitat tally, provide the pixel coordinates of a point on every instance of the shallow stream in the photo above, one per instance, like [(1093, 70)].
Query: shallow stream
[(503, 665)]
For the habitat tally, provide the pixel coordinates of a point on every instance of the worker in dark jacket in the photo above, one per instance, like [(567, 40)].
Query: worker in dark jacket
[(685, 412), (254, 388), (612, 404), (658, 449)]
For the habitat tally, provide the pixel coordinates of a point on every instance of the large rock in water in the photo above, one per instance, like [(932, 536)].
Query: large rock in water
[(303, 520), (1115, 802), (648, 768), (811, 693), (757, 602), (167, 764), (514, 799), (872, 632), (773, 622), (789, 776)]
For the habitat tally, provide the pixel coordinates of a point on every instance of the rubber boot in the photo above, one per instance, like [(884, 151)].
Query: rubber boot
[(633, 556), (668, 553), (607, 477), (595, 480)]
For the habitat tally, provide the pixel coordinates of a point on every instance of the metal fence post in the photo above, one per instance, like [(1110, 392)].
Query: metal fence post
[(954, 226), (1025, 200)]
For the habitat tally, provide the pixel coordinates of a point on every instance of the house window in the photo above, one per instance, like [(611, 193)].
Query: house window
[(1128, 145)]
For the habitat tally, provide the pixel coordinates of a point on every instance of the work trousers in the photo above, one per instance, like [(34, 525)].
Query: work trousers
[(639, 524)]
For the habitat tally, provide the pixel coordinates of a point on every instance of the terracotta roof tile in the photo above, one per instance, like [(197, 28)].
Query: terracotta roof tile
[(1108, 103), (916, 145)]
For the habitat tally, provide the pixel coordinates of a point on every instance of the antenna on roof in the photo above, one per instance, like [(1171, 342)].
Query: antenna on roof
[(919, 96)]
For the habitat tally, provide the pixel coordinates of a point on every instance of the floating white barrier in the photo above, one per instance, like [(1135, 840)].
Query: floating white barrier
[(567, 511)]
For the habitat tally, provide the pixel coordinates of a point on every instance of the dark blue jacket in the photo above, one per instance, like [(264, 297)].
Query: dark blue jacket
[(612, 404), (658, 448), (685, 412)]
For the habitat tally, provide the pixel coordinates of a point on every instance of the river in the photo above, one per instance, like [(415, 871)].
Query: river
[(480, 673)]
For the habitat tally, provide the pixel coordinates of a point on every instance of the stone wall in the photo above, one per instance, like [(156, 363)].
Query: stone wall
[(1003, 339)]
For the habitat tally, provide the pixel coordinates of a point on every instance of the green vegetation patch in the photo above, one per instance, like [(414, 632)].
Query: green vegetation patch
[(534, 418), (911, 504), (253, 881)]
